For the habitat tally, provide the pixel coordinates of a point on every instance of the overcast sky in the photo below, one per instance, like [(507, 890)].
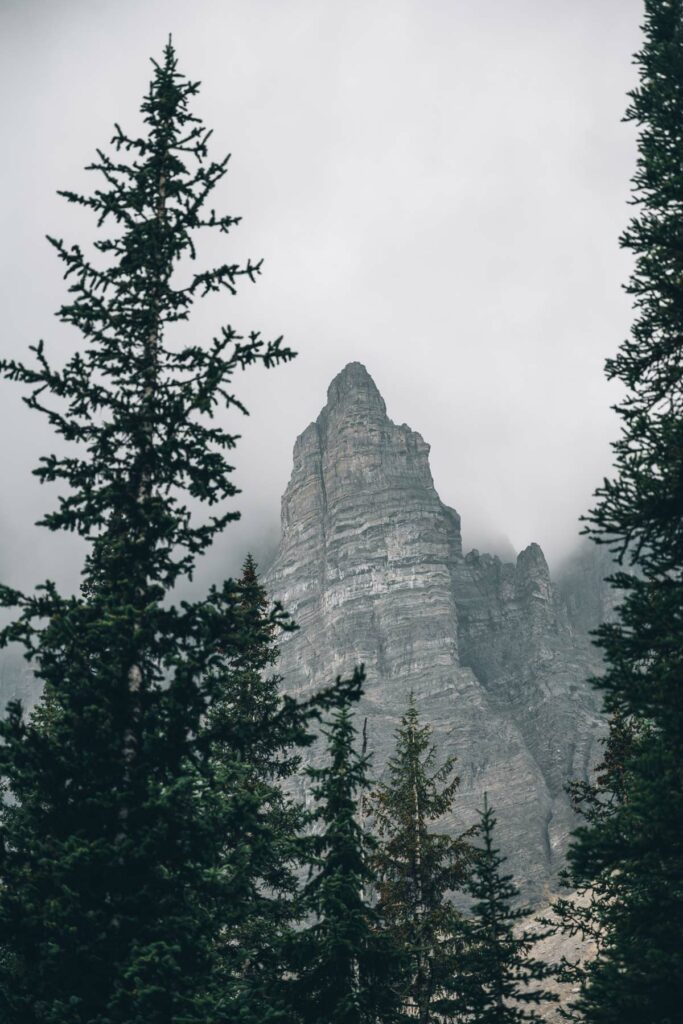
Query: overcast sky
[(437, 188)]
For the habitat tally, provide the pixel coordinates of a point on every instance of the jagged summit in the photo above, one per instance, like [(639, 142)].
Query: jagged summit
[(353, 384), (353, 375), (532, 563), (370, 565), (354, 462)]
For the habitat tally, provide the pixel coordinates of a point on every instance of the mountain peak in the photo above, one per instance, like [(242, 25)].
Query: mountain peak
[(354, 384), (370, 566)]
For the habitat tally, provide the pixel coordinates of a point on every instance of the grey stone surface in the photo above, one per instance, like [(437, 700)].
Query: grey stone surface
[(371, 567), (581, 582), (17, 681)]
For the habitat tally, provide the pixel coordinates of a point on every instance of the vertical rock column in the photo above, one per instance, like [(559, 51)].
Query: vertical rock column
[(366, 546), (370, 566)]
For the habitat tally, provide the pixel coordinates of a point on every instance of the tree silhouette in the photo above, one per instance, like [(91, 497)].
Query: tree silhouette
[(638, 974), (418, 869), (502, 984), (112, 833)]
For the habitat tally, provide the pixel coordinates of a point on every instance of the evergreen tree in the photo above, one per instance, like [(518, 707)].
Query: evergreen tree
[(586, 910), (256, 747), (348, 968), (502, 984), (638, 974), (248, 691), (417, 869), (113, 892)]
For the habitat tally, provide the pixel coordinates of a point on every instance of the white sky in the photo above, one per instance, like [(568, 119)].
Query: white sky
[(437, 188)]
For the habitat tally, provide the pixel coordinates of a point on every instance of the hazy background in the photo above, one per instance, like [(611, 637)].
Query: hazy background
[(437, 188)]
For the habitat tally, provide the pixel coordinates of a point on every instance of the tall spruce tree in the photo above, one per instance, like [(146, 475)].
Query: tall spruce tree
[(248, 691), (418, 868), (586, 910), (502, 980), (256, 745), (113, 888), (638, 975), (347, 967)]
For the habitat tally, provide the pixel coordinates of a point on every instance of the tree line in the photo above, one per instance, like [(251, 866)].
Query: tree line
[(154, 866)]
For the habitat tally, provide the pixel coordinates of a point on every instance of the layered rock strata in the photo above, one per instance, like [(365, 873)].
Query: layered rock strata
[(371, 567)]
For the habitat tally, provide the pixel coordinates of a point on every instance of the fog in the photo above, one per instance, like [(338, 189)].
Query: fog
[(437, 188)]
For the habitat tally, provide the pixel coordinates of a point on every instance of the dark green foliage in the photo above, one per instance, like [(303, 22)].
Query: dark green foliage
[(587, 910), (629, 862), (255, 732), (248, 700), (597, 801), (640, 511), (639, 845), (119, 850), (503, 982), (347, 966), (417, 869)]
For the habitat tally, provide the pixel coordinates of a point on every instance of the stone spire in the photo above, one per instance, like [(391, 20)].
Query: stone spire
[(370, 566), (354, 386)]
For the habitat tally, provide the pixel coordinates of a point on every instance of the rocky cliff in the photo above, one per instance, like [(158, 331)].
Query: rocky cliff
[(371, 566)]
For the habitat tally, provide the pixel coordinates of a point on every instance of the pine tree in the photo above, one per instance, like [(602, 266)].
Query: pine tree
[(418, 868), (638, 974), (113, 893), (586, 910), (256, 747), (502, 983), (348, 968), (248, 691)]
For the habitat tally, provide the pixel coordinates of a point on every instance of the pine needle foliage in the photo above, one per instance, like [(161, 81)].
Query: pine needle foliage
[(503, 983), (586, 911), (638, 975), (258, 737), (113, 880), (348, 967), (249, 698), (418, 868)]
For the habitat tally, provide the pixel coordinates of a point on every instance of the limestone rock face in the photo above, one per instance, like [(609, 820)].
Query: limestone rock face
[(370, 565), (581, 582)]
